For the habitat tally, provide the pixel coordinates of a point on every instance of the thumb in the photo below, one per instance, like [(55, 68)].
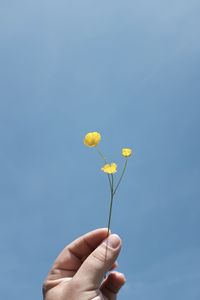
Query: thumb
[(99, 262)]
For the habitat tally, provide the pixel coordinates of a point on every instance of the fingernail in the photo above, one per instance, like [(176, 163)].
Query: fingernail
[(113, 241)]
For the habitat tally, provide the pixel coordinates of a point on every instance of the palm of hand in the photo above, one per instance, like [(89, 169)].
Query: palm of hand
[(56, 288), (67, 290), (77, 273)]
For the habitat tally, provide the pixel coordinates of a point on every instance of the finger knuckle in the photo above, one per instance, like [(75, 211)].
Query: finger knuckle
[(99, 256)]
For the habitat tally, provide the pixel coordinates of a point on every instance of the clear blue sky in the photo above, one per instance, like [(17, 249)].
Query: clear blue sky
[(130, 70)]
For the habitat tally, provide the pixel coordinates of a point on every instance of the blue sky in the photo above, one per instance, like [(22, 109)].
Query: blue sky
[(130, 70)]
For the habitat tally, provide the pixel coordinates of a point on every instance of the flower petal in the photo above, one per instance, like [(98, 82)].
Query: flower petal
[(109, 168), (92, 139), (126, 152)]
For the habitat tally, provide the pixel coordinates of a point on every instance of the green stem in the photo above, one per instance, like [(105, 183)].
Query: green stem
[(105, 161), (111, 203), (124, 169), (110, 213), (101, 154)]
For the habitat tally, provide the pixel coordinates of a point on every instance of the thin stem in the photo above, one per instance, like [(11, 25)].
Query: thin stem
[(110, 214), (124, 169), (112, 183), (105, 161), (111, 203), (101, 154)]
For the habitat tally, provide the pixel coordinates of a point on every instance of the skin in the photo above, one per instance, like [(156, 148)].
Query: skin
[(78, 272)]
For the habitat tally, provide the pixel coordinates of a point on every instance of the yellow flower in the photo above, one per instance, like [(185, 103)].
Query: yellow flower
[(92, 139), (109, 168), (126, 152)]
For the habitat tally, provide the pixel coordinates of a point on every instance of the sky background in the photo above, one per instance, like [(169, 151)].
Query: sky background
[(130, 70)]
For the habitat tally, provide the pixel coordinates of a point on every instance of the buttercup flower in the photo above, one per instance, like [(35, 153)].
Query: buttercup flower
[(109, 168), (126, 152), (92, 139)]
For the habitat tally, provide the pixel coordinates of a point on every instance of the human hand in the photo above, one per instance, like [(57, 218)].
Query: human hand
[(78, 272)]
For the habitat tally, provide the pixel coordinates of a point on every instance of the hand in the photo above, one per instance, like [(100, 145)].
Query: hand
[(78, 272)]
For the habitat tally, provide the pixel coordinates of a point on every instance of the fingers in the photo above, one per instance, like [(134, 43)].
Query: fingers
[(71, 258), (114, 266), (112, 285), (98, 262)]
